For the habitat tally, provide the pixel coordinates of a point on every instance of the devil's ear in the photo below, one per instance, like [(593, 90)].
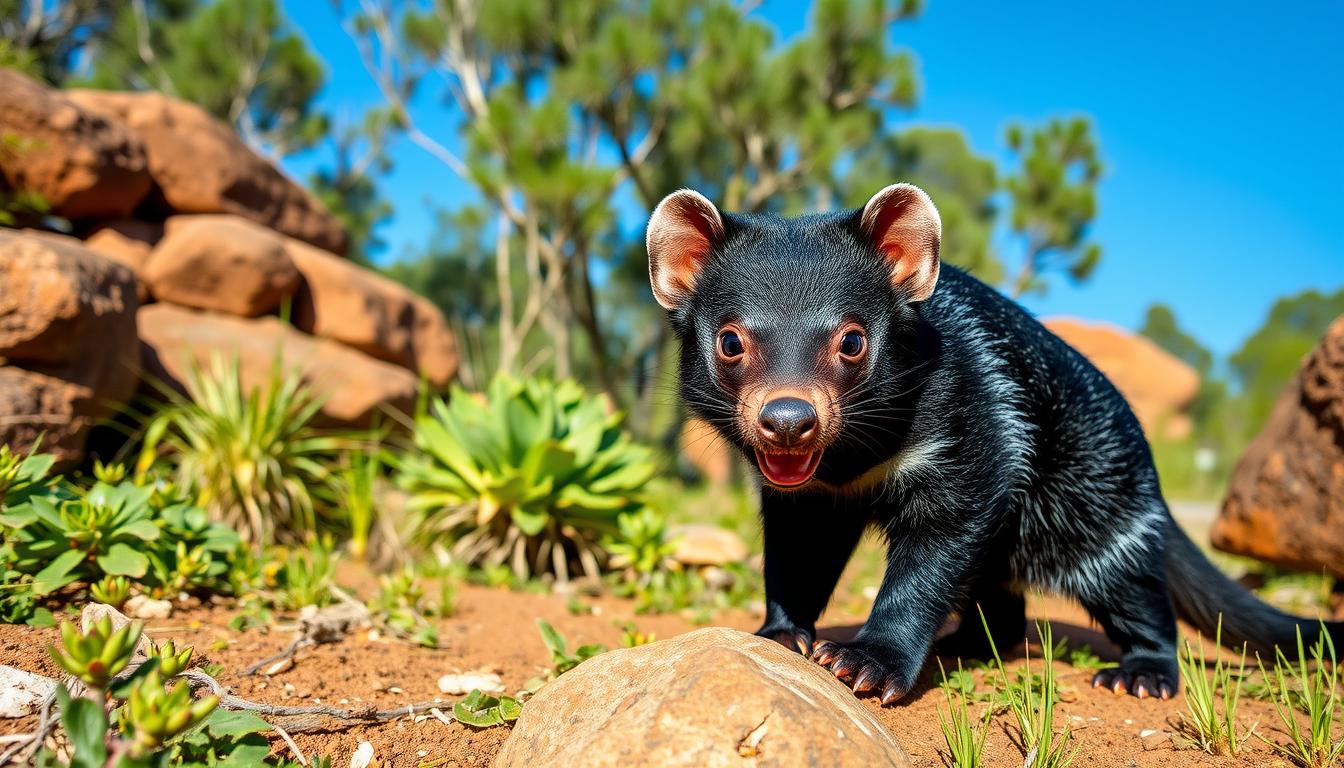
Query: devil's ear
[(683, 229), (903, 225)]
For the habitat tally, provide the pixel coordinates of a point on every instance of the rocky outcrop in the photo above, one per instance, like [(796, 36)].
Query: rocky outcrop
[(67, 340), (1285, 503), (1159, 386), (378, 316), (713, 697), (223, 263), (82, 164), (199, 165), (169, 211), (355, 388)]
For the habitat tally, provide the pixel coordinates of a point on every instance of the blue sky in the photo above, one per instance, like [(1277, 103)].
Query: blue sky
[(1221, 125)]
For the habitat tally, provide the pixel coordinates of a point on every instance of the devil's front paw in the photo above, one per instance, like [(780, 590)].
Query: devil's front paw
[(867, 667), (1141, 676), (788, 635)]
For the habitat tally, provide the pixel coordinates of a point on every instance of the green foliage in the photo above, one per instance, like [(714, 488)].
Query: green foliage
[(402, 606), (96, 656), (561, 659), (249, 455), (1211, 728), (171, 661), (1053, 200), (23, 476), (112, 590), (631, 637), (306, 576), (963, 734), (154, 724), (534, 476), (1031, 699), (355, 484), (122, 530), (1309, 685), (640, 544), (482, 711)]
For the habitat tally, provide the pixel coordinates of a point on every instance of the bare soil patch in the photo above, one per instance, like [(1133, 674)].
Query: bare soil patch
[(496, 629)]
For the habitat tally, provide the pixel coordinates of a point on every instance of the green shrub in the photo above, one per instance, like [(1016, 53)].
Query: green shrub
[(355, 484), (534, 477), (125, 530), (249, 456), (155, 722)]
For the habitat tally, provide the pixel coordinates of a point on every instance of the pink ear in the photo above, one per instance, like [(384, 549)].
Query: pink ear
[(905, 227), (682, 231)]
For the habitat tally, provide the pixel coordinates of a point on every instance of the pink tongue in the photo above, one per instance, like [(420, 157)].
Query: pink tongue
[(787, 468)]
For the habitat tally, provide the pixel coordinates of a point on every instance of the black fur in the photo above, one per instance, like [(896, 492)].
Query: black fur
[(990, 454)]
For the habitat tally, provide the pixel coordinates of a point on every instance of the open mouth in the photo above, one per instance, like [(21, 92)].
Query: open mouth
[(787, 469)]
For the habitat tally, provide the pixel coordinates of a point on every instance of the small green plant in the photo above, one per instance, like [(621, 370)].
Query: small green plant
[(96, 656), (1082, 657), (402, 607), (153, 724), (171, 661), (963, 734), (114, 530), (307, 576), (1211, 728), (535, 477), (1031, 698), (112, 590), (153, 714), (561, 659), (102, 532), (640, 545), (250, 456), (1311, 685), (356, 483), (482, 711), (631, 637), (22, 476)]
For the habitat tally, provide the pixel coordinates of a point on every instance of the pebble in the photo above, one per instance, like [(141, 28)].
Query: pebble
[(142, 607)]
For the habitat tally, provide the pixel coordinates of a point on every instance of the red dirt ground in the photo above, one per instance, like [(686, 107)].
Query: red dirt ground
[(496, 629)]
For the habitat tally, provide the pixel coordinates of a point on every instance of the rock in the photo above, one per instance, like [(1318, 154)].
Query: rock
[(708, 698), (356, 386), (1159, 386), (68, 349), (22, 693), (363, 755), (127, 242), (94, 612), (711, 455), (224, 263), (80, 162), (200, 165), (39, 409), (378, 316), (60, 301), (466, 682), (1285, 501), (145, 607), (701, 544)]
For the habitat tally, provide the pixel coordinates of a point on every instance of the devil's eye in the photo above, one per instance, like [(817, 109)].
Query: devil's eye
[(730, 345), (852, 343)]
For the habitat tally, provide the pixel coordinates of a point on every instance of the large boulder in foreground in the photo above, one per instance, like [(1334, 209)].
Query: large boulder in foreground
[(223, 263), (68, 349), (1285, 503), (1159, 386), (83, 164), (199, 165), (356, 387), (378, 316), (713, 697)]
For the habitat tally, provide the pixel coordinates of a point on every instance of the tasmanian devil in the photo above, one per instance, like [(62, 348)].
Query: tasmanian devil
[(871, 387)]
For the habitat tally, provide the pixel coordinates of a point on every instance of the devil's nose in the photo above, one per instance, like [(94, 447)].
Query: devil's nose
[(787, 420)]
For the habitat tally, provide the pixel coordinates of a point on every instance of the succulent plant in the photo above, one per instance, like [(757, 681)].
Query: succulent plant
[(96, 656), (532, 476)]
